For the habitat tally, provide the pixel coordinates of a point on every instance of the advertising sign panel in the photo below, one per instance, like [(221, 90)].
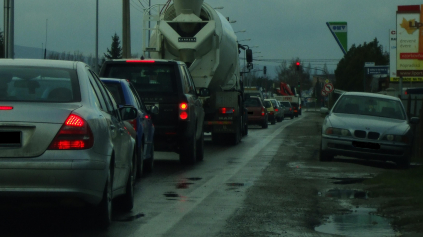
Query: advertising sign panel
[(409, 33), (339, 30)]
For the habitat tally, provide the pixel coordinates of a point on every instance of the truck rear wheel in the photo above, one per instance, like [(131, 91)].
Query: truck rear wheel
[(236, 137)]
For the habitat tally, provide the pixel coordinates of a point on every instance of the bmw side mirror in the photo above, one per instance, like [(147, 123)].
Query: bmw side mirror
[(414, 120), (128, 112), (324, 110)]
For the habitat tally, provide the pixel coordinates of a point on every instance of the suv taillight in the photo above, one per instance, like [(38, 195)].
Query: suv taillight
[(262, 111), (276, 109), (75, 134), (183, 111)]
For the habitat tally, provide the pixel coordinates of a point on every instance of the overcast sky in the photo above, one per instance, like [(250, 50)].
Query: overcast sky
[(283, 29)]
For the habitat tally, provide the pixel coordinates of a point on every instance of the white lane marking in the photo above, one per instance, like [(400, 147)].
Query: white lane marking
[(162, 223)]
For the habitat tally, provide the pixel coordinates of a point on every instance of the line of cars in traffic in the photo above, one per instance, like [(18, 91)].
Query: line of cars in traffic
[(262, 111)]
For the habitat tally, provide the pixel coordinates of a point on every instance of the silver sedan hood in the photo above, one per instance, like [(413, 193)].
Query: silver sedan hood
[(368, 123)]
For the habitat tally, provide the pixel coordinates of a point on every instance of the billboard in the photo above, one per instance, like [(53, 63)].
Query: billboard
[(339, 30), (409, 38)]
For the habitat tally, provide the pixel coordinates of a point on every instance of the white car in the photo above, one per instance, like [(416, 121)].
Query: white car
[(367, 126), (62, 135)]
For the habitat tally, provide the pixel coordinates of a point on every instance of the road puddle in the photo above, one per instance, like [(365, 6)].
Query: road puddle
[(348, 180), (360, 222), (344, 194), (130, 218)]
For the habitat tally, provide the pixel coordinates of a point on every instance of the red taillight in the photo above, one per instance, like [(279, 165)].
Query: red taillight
[(147, 116), (262, 111), (183, 106), (226, 110), (134, 124), (183, 115), (276, 110), (140, 61), (6, 107), (74, 121), (75, 134)]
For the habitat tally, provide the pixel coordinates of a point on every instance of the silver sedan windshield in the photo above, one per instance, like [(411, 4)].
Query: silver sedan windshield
[(372, 106)]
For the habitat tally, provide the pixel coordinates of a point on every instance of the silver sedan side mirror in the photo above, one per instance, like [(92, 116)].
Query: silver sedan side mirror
[(324, 110)]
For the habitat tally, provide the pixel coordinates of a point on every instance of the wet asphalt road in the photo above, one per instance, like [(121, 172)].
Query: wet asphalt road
[(268, 185)]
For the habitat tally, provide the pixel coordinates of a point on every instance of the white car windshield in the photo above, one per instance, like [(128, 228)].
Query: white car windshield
[(372, 106)]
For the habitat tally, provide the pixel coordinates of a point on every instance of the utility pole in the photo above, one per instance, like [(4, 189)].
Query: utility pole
[(9, 28), (126, 29), (96, 37)]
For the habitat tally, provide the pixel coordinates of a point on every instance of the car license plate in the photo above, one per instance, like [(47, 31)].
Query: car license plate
[(368, 145), (10, 139)]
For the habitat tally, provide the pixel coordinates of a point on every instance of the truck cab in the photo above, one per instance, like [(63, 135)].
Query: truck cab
[(168, 85)]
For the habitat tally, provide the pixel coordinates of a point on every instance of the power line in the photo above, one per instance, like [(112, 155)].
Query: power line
[(135, 6)]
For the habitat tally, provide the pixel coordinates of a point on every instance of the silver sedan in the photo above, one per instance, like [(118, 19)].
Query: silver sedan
[(62, 135), (367, 126)]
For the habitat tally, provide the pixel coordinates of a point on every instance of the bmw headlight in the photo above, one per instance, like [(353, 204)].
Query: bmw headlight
[(337, 132), (397, 138)]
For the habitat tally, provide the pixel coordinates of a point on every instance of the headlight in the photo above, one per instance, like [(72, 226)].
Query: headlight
[(337, 132), (397, 138)]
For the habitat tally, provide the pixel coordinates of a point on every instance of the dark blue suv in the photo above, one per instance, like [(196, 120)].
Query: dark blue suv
[(125, 94)]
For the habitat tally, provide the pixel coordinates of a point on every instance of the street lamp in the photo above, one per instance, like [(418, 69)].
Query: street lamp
[(244, 40)]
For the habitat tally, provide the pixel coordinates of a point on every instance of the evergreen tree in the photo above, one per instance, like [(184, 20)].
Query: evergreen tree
[(115, 51), (349, 72)]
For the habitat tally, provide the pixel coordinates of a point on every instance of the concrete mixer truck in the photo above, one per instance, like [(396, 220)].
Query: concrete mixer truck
[(193, 32)]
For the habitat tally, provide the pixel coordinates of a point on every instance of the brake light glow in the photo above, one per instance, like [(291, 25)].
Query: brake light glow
[(147, 116), (75, 121), (183, 115), (262, 111), (75, 134), (140, 61), (183, 106), (276, 110), (134, 124), (6, 107), (226, 110)]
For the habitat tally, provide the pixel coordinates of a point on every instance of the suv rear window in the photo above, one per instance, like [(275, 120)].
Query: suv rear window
[(286, 104), (252, 102), (38, 84), (267, 104), (146, 78)]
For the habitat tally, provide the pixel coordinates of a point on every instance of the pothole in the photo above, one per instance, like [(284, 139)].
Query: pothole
[(359, 222)]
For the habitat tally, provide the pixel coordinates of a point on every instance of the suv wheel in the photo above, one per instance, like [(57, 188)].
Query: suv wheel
[(200, 147), (188, 151)]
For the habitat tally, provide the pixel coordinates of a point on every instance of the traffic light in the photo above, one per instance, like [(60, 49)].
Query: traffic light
[(297, 66), (264, 70)]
